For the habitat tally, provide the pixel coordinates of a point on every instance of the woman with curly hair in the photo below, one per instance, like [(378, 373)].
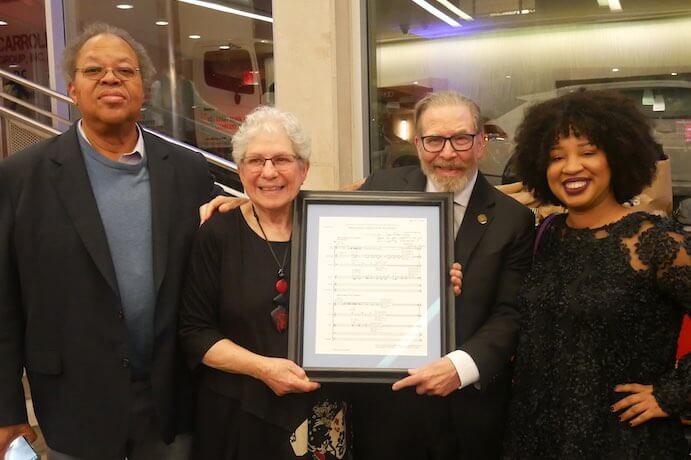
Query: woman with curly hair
[(602, 306)]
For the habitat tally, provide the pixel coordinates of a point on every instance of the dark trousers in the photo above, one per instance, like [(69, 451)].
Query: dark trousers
[(466, 425), (144, 438), (401, 425)]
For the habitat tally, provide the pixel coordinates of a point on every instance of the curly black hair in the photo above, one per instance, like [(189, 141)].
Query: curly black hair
[(609, 120)]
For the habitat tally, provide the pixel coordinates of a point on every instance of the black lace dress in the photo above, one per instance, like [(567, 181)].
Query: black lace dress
[(601, 307)]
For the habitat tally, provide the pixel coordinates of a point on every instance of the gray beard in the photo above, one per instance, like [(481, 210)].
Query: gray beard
[(446, 184)]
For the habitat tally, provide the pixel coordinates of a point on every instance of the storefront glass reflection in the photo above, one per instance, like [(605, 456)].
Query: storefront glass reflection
[(507, 54), (24, 52), (214, 62)]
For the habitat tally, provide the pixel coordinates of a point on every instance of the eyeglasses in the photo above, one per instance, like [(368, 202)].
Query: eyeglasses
[(280, 162), (459, 142), (97, 72)]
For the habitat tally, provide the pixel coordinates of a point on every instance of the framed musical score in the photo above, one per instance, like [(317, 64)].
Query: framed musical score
[(370, 294)]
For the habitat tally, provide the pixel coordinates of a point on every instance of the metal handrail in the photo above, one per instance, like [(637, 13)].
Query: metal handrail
[(35, 86), (210, 158), (33, 108), (33, 123)]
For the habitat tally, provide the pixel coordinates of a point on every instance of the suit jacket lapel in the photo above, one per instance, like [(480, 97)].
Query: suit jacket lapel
[(162, 177), (71, 181), (481, 203), (415, 180)]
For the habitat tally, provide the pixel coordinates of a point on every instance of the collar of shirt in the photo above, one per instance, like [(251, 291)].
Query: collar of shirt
[(139, 146), (461, 197)]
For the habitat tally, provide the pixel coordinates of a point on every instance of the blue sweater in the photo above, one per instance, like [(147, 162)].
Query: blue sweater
[(123, 196)]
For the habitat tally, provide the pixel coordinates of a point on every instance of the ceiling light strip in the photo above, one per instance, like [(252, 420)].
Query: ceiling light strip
[(430, 9), (456, 10), (227, 9), (614, 5)]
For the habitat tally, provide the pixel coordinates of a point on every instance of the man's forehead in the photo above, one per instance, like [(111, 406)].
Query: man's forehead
[(98, 44), (447, 114)]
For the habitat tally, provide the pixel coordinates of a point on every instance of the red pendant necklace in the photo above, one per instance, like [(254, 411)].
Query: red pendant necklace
[(279, 315)]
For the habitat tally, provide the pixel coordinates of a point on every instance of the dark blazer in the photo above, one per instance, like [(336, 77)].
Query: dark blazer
[(60, 313), (495, 256)]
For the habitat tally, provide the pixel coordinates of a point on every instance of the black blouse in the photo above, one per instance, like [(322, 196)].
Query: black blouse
[(228, 294), (601, 307)]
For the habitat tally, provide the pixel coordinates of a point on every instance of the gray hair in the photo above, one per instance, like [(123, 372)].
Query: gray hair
[(270, 120), (446, 98), (69, 56)]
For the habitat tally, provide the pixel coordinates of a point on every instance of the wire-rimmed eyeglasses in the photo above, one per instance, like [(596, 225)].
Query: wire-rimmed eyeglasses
[(97, 72), (279, 162)]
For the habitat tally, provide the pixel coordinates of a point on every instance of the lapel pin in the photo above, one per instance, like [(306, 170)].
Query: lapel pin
[(482, 219)]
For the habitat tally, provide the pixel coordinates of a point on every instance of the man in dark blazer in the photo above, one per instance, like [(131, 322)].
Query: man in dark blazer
[(469, 388), (95, 229)]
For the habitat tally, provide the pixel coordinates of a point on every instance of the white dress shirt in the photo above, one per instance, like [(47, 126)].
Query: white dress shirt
[(129, 157), (465, 366)]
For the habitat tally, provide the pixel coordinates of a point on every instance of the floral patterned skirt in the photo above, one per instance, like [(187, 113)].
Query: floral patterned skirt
[(224, 431), (324, 435)]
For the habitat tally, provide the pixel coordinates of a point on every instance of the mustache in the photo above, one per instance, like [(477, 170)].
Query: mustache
[(449, 164)]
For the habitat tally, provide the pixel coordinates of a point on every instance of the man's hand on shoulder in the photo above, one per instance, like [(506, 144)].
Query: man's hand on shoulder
[(221, 204), (11, 432), (438, 378), (354, 186)]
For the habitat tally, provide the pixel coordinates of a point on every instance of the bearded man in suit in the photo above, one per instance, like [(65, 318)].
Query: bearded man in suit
[(455, 407)]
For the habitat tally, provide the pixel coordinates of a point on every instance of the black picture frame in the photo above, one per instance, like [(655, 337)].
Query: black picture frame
[(310, 207)]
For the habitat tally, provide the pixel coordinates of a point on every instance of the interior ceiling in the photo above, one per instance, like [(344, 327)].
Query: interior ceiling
[(405, 20), (22, 16)]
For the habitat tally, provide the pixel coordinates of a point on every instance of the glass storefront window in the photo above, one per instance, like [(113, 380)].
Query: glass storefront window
[(24, 52), (214, 63), (508, 54)]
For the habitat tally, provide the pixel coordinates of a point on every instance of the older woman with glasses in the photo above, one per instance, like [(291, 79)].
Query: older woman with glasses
[(253, 403)]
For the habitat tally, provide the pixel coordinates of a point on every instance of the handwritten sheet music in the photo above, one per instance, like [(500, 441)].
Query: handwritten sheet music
[(372, 286)]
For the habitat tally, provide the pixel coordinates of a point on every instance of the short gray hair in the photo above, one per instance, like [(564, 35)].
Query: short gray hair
[(270, 120), (69, 56), (446, 98)]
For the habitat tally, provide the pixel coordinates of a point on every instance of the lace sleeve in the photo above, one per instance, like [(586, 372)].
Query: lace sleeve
[(672, 389), (666, 249)]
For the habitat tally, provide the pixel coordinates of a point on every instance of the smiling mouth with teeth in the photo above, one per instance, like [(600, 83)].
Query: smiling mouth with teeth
[(573, 187), (576, 184)]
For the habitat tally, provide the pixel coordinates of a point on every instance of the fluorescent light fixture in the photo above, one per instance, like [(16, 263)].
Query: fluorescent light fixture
[(648, 97), (227, 9), (3, 23), (456, 10), (403, 131), (14, 66), (431, 10), (512, 13), (161, 23), (602, 3), (415, 83), (507, 76), (124, 6), (614, 5), (615, 69), (195, 36), (674, 74), (224, 47)]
